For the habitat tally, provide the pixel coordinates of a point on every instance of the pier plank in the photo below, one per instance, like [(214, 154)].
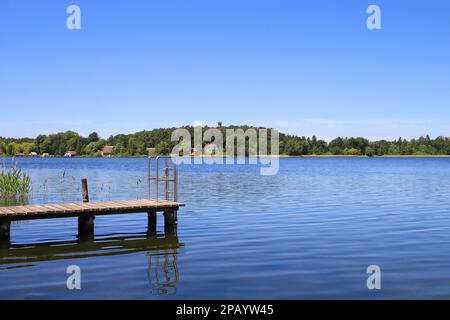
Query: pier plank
[(57, 210)]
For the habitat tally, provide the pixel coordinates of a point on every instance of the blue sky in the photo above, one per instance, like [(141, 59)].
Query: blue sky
[(303, 67)]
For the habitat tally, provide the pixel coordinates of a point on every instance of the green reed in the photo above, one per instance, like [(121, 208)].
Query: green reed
[(15, 185)]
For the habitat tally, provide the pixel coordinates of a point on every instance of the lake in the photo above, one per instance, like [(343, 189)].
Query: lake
[(309, 232)]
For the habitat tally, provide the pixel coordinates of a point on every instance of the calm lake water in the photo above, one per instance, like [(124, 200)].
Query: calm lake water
[(308, 232)]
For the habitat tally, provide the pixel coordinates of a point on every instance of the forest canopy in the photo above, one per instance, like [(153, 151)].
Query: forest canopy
[(158, 141)]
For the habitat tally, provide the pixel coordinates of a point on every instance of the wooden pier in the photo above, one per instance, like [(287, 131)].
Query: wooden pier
[(87, 211), (50, 211)]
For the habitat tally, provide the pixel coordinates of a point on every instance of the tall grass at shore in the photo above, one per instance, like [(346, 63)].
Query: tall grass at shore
[(15, 185)]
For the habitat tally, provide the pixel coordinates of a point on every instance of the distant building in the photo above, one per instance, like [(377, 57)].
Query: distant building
[(107, 151), (210, 148), (33, 154), (45, 155), (151, 151), (70, 154)]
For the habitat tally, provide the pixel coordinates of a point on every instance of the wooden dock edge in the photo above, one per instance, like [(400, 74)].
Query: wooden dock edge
[(86, 213)]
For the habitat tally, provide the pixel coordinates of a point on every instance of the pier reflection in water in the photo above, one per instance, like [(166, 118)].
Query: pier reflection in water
[(161, 250), (162, 273)]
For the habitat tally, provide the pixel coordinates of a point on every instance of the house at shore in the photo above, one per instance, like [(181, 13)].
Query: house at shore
[(70, 153), (107, 151), (210, 148), (151, 151), (33, 154)]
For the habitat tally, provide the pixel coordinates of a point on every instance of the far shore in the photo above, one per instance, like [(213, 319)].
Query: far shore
[(328, 156), (365, 156), (260, 156)]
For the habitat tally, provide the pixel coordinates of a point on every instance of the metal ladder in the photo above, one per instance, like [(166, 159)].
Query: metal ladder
[(166, 178)]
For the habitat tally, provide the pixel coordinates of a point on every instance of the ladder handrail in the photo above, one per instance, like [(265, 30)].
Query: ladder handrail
[(166, 178)]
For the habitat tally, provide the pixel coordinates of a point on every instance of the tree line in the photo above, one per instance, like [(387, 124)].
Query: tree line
[(159, 142)]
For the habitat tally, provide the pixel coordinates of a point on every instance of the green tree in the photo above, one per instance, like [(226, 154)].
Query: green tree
[(93, 137), (163, 148)]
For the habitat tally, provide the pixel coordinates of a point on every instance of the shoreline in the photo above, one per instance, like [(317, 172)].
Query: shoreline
[(365, 156), (261, 156)]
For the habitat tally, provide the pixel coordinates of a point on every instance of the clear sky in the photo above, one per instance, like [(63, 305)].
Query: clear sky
[(304, 67)]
